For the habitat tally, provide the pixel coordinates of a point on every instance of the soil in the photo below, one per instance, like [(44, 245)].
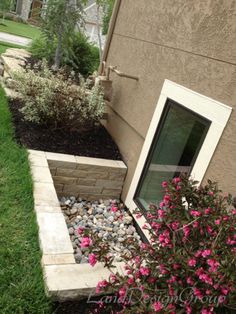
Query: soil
[(94, 143), (85, 306)]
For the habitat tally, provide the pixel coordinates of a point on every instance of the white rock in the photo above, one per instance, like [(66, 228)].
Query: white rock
[(128, 220), (73, 211)]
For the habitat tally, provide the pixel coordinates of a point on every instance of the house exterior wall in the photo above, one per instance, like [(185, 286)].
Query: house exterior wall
[(192, 43)]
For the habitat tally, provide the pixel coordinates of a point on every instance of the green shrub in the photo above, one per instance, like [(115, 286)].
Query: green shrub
[(51, 99), (41, 49), (80, 55)]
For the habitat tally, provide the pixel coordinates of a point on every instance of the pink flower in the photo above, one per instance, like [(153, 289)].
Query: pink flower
[(176, 180), (92, 259), (192, 262), (100, 285), (172, 308), (163, 270), (162, 204), (186, 230), (199, 271), (146, 296), (122, 292), (176, 266), (206, 278), (225, 291), (214, 264), (195, 213), (190, 281), (80, 230), (172, 279), (175, 225), (144, 271), (188, 309), (157, 306), (209, 229), (207, 210), (164, 184), (221, 299), (164, 238), (166, 198), (198, 253), (195, 224), (130, 281), (137, 259), (155, 225), (113, 278), (145, 226), (217, 221), (197, 293), (86, 242), (230, 241), (151, 279), (144, 246), (206, 253), (114, 209), (171, 290), (161, 213)]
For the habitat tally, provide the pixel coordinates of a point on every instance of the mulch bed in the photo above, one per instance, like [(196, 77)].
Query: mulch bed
[(94, 143)]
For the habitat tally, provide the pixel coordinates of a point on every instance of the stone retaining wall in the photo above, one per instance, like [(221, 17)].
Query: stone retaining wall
[(89, 178), (64, 279)]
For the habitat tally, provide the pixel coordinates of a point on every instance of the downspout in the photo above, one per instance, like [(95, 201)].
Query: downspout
[(110, 33)]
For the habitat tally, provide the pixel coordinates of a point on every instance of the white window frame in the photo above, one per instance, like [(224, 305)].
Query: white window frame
[(216, 112)]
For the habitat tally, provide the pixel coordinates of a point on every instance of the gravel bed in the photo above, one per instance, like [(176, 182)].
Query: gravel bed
[(108, 218)]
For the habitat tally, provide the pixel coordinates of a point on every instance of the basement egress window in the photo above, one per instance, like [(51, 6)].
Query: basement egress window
[(174, 150), (183, 134)]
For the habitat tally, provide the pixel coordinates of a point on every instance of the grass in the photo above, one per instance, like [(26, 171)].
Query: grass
[(4, 46), (19, 29), (21, 280)]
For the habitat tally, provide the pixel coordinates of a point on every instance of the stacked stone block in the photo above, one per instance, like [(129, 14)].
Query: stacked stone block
[(88, 178)]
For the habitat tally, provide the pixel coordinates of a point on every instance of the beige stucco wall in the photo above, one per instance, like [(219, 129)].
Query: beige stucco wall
[(192, 43)]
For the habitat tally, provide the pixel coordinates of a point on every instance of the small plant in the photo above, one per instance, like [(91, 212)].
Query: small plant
[(189, 264), (51, 99)]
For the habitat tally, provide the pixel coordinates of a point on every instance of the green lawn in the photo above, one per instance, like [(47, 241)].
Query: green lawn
[(21, 280), (20, 29), (4, 46)]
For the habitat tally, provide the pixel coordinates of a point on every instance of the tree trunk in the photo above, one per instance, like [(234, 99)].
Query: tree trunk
[(57, 58), (3, 17), (99, 33)]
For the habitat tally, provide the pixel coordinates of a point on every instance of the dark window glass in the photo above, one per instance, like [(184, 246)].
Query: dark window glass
[(175, 147)]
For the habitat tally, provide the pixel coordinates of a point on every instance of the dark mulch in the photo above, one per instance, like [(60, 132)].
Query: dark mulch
[(94, 143), (85, 306)]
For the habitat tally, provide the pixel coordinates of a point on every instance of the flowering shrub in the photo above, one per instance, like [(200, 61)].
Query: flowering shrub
[(189, 264), (51, 99)]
